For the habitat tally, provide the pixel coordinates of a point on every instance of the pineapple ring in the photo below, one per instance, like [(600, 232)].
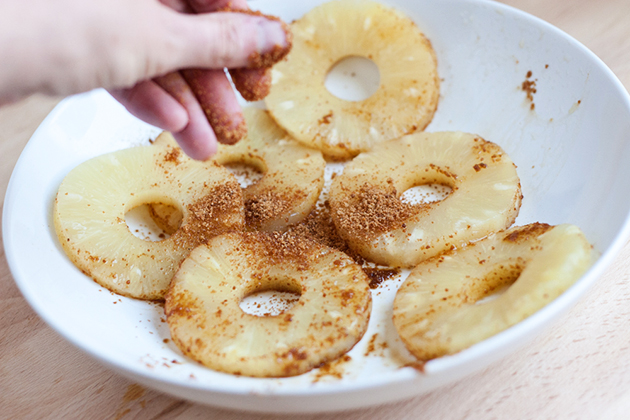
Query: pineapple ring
[(90, 207), (370, 216), (208, 325), (439, 310), (293, 174), (404, 102)]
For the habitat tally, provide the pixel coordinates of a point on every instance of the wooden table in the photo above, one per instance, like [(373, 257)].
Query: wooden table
[(578, 369)]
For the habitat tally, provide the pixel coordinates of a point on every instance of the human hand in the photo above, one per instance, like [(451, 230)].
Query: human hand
[(207, 96), (132, 48)]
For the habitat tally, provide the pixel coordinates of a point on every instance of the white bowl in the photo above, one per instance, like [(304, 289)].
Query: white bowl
[(572, 154)]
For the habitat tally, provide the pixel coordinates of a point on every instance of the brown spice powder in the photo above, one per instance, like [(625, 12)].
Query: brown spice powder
[(252, 84), (529, 87), (319, 227), (325, 119), (267, 206), (228, 128), (526, 232), (216, 213), (378, 275), (334, 368), (279, 247), (268, 59), (226, 132), (173, 155), (373, 210)]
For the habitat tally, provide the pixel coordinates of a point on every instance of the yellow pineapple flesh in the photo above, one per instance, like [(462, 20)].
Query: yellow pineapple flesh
[(404, 102), (369, 214), (90, 207), (208, 325), (293, 174), (453, 301), (167, 218)]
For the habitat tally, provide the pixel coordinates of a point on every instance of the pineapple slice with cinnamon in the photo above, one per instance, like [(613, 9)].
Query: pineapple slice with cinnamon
[(90, 207), (292, 174), (458, 299), (208, 325), (370, 215), (406, 98)]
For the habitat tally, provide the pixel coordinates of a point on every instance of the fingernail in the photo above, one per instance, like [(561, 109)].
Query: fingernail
[(273, 43), (271, 33)]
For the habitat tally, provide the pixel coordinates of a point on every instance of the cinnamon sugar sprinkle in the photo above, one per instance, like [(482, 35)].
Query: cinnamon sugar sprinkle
[(373, 210), (266, 206), (216, 213), (173, 155), (277, 53), (229, 128), (526, 232), (252, 84), (335, 368), (224, 128), (320, 227), (529, 87), (276, 247), (378, 275)]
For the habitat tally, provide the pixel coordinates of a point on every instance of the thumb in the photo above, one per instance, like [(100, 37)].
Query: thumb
[(223, 39)]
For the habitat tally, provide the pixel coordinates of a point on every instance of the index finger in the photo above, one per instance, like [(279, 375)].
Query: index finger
[(178, 5), (205, 6), (252, 84)]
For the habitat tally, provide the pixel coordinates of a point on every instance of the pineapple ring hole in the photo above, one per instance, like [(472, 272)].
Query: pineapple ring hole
[(153, 222), (246, 174), (353, 78), (426, 193), (496, 282), (271, 298)]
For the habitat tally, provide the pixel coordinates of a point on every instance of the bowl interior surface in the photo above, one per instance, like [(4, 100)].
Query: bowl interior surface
[(569, 141)]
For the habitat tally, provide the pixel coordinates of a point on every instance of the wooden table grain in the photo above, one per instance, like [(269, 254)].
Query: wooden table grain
[(578, 369)]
